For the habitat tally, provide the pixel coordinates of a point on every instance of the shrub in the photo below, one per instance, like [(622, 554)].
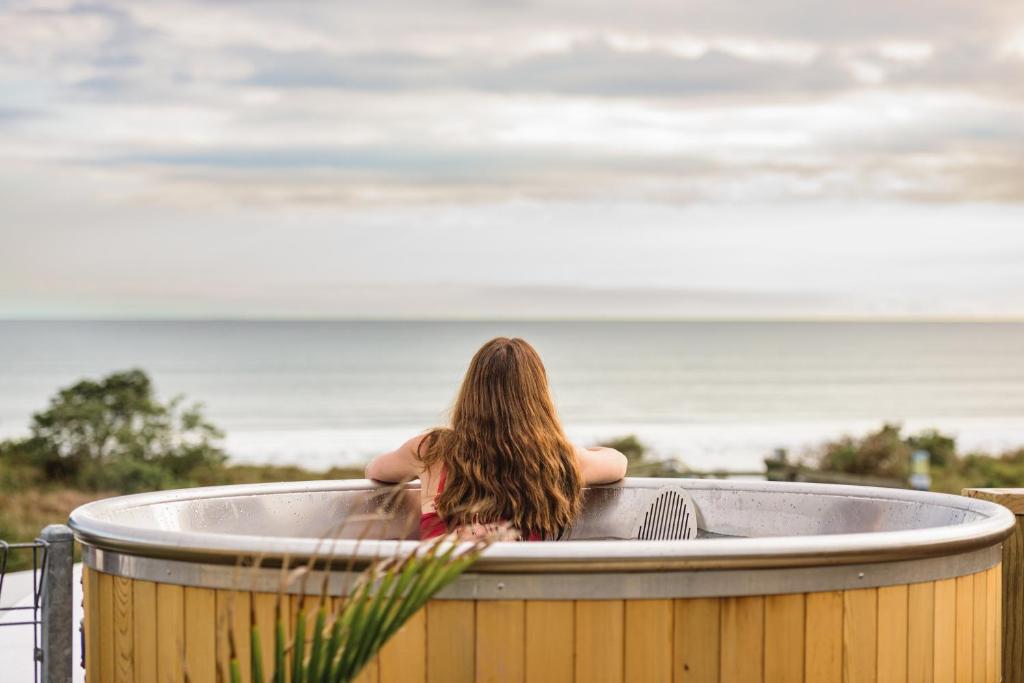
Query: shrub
[(886, 453), (117, 424), (881, 454)]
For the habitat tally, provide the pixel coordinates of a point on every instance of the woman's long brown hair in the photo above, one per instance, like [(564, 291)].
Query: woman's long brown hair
[(506, 456)]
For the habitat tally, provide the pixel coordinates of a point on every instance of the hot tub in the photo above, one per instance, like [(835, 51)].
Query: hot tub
[(783, 582)]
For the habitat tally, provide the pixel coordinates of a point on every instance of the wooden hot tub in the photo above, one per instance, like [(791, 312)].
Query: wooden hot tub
[(786, 582)]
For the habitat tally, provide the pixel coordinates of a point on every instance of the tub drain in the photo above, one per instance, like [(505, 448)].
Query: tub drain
[(670, 516)]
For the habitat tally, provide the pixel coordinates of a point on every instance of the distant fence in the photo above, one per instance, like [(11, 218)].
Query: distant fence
[(49, 614)]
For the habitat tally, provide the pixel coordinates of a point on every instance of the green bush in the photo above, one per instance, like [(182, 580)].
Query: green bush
[(886, 453), (629, 446), (128, 476), (113, 434), (881, 454)]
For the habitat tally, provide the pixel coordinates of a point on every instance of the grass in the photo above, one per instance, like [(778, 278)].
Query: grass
[(25, 510)]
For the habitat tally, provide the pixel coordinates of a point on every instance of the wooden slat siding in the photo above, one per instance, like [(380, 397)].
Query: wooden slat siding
[(310, 603), (91, 614), (600, 641), (170, 633), (921, 632), (1010, 639), (697, 638), (201, 635), (823, 642), (980, 627), (370, 672), (263, 605), (992, 626), (144, 618), (742, 639), (106, 598), (233, 620), (451, 633), (964, 629), (860, 635), (942, 631), (784, 632), (550, 641), (944, 659), (403, 659), (648, 641), (893, 626), (123, 632), (500, 641), (1012, 605), (1003, 670)]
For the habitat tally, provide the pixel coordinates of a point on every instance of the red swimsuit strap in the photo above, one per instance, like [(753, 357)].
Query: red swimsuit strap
[(441, 480)]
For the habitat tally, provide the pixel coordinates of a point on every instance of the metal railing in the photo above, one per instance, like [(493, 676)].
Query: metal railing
[(49, 613)]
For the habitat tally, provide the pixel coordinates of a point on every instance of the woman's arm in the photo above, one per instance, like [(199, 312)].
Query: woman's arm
[(601, 465), (401, 464)]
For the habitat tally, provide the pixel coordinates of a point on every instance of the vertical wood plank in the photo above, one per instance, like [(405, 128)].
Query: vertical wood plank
[(697, 639), (992, 626), (742, 639), (893, 629), (550, 641), (370, 672), (500, 641), (124, 669), (201, 635), (91, 614), (310, 603), (451, 638), (979, 627), (1003, 670), (1012, 605), (144, 618), (784, 633), (944, 667), (170, 633), (233, 608), (823, 642), (921, 632), (106, 597), (648, 641), (264, 606), (860, 635), (600, 641), (964, 629), (403, 659), (1010, 640)]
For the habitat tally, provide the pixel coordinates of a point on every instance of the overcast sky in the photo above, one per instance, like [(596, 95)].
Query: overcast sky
[(722, 158)]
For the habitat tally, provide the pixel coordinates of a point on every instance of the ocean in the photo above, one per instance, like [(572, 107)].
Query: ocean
[(713, 394)]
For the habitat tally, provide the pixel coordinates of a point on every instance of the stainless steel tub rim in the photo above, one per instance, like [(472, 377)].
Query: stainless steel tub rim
[(973, 525)]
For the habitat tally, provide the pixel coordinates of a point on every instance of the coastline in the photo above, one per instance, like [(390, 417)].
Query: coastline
[(703, 446)]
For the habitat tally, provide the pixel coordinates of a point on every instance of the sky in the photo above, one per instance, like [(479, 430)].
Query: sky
[(511, 159)]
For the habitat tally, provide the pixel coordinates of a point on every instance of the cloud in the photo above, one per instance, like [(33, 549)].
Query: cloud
[(186, 116), (589, 68)]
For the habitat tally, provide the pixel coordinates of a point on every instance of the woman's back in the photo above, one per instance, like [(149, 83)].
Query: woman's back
[(505, 459)]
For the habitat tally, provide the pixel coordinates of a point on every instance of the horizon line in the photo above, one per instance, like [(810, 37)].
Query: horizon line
[(922, 319)]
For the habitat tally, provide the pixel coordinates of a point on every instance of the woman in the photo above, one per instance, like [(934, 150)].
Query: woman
[(505, 459)]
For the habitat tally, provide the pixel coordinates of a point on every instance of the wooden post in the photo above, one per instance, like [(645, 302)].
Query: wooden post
[(1013, 581)]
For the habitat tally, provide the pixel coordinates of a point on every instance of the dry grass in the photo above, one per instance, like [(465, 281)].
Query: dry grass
[(25, 510), (23, 514)]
